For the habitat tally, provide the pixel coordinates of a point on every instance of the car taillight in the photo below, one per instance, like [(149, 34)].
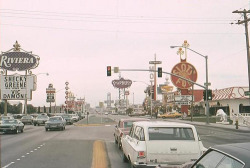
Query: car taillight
[(121, 134), (141, 154)]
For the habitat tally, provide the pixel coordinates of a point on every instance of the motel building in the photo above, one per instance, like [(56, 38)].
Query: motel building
[(232, 100)]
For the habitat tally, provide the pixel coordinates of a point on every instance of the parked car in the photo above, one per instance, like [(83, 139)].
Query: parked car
[(234, 155), (27, 119), (40, 119), (56, 122), (123, 127), (11, 125), (170, 115), (68, 118), (152, 143)]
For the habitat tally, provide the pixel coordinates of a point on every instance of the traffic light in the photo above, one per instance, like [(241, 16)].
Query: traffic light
[(108, 70), (159, 72), (209, 95)]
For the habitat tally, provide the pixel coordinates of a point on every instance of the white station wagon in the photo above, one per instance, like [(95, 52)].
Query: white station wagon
[(153, 143)]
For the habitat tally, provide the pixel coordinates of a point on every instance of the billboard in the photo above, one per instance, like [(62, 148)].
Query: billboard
[(17, 87)]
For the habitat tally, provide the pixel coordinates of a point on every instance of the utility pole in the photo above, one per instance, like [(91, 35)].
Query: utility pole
[(244, 12)]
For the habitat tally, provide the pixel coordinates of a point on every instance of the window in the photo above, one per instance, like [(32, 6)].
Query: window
[(168, 133), (131, 132), (215, 159), (128, 124)]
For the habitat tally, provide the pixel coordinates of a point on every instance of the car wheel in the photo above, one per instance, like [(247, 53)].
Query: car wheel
[(34, 124), (46, 129), (16, 131), (22, 130), (124, 158), (119, 145), (131, 165), (38, 124), (116, 142)]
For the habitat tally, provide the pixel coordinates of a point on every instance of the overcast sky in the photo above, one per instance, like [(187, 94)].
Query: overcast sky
[(77, 39)]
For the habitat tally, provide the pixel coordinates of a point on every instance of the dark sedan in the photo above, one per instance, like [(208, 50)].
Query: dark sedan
[(228, 155), (56, 122), (11, 125)]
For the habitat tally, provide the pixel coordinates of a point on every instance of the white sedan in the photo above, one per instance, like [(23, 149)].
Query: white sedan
[(152, 143)]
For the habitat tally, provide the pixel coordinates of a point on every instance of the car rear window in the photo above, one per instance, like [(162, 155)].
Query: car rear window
[(168, 133)]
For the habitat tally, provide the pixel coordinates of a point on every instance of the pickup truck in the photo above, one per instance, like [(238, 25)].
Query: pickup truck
[(153, 143)]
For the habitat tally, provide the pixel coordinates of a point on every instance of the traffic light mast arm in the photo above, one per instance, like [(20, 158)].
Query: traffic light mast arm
[(204, 87)]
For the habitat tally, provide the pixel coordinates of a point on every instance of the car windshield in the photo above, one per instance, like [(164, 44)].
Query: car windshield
[(55, 119), (42, 117), (9, 121), (167, 133), (67, 116), (26, 117), (128, 124)]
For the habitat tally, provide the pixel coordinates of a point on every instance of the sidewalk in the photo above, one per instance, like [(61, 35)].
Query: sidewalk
[(241, 128)]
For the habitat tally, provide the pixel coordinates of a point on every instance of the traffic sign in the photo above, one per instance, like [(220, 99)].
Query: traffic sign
[(183, 98), (182, 103), (154, 62), (247, 93)]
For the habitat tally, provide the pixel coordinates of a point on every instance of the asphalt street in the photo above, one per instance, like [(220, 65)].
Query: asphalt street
[(90, 145)]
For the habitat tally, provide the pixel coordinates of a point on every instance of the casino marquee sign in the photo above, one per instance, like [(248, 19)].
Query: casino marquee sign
[(18, 61)]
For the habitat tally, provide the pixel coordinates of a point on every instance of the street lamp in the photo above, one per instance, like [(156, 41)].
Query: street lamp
[(206, 84), (151, 95), (26, 99)]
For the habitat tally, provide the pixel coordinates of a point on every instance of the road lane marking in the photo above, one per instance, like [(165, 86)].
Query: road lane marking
[(100, 156), (8, 164)]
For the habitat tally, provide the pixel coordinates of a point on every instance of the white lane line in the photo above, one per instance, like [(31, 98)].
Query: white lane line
[(38, 147), (27, 153), (23, 156), (8, 164), (31, 151), (35, 149), (18, 159)]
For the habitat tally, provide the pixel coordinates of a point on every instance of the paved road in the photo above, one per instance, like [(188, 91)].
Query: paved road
[(87, 146)]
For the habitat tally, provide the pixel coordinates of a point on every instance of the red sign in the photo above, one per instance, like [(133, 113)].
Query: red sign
[(122, 83), (184, 70)]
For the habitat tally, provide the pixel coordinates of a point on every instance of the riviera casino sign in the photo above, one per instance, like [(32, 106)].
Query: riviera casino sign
[(18, 61), (185, 70)]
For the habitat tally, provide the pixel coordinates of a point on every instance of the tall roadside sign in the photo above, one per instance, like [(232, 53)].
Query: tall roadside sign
[(17, 86)]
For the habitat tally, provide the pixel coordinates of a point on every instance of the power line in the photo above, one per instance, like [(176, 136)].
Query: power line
[(120, 31)]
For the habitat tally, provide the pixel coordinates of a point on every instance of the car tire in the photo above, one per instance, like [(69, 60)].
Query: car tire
[(22, 130), (46, 129), (119, 145), (116, 142), (16, 131), (34, 124), (124, 158), (131, 165)]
